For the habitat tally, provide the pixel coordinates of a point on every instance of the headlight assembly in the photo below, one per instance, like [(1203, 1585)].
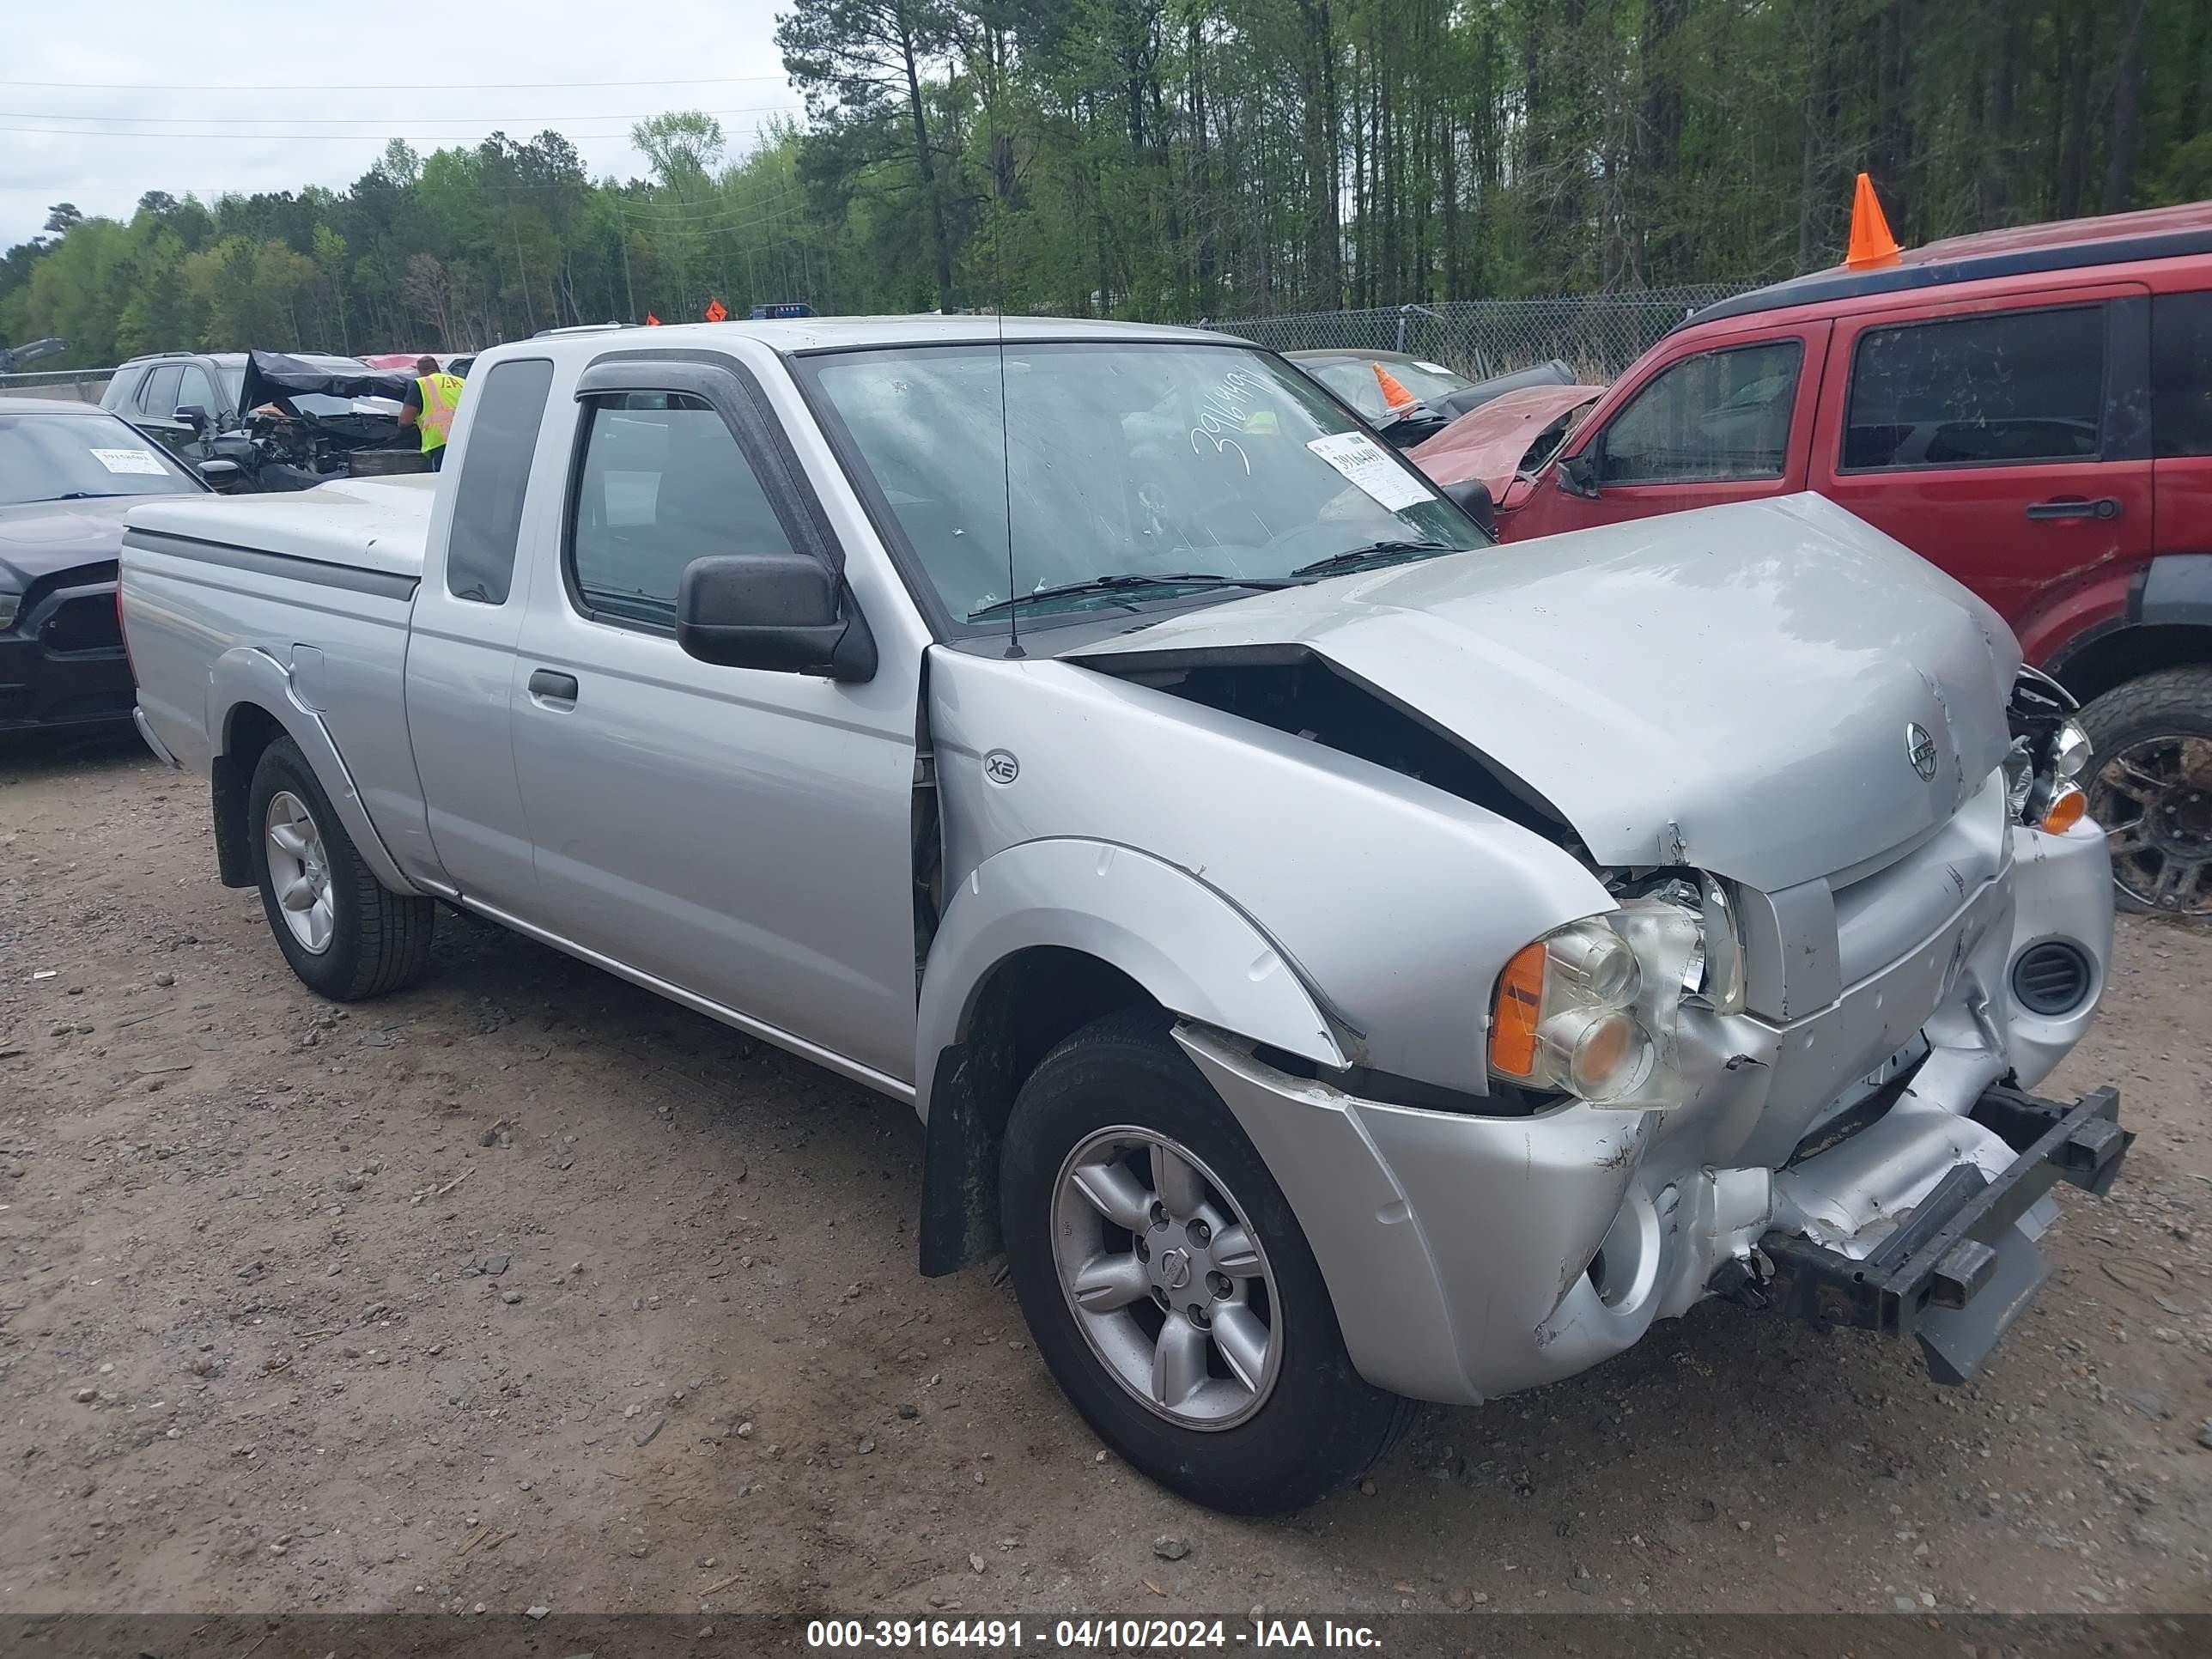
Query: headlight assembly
[(9, 605), (1590, 1008), (2049, 751)]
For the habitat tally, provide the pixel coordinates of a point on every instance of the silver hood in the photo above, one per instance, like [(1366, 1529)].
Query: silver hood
[(1731, 687)]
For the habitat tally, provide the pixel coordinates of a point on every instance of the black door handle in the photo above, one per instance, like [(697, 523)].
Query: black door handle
[(2075, 506), (545, 683)]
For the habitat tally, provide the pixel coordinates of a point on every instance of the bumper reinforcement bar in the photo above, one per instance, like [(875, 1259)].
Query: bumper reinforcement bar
[(1958, 1271)]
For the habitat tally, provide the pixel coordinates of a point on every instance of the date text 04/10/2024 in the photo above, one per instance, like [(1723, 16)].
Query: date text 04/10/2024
[(1088, 1635)]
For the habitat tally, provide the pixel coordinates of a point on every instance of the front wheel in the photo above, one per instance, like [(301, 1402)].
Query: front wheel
[(345, 935), (1169, 1285), (2151, 788)]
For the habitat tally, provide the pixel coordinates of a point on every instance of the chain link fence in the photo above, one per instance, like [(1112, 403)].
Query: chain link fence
[(77, 384), (1597, 335)]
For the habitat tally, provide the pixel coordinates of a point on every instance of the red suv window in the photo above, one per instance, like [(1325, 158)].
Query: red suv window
[(1999, 389), (2181, 374), (1720, 415)]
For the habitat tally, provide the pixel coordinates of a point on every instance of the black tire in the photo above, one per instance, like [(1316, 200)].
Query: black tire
[(1323, 1423), (2175, 706), (379, 940)]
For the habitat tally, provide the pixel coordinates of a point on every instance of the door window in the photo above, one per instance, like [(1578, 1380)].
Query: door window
[(2004, 389), (495, 475), (197, 392), (663, 483), (2181, 374), (160, 396), (1716, 417)]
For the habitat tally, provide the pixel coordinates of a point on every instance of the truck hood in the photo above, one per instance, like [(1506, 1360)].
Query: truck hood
[(1740, 688)]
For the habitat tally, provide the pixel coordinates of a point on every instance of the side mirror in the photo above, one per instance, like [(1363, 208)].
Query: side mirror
[(1472, 497), (1578, 473), (221, 475), (193, 417), (785, 612)]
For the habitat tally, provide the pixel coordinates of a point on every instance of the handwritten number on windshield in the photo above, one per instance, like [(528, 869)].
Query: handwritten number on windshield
[(1224, 410)]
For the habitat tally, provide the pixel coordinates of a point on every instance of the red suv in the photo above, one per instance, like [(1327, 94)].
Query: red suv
[(2031, 409)]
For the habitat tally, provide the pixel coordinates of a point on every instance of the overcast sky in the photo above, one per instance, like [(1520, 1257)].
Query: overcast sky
[(128, 95)]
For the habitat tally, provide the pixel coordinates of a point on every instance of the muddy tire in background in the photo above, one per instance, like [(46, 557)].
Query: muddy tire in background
[(346, 935), (2150, 786), (1169, 1285)]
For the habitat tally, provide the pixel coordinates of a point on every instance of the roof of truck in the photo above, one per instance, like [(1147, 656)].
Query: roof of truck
[(799, 335)]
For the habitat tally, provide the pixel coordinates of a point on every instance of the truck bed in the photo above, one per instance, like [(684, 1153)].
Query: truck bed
[(376, 524), (302, 598)]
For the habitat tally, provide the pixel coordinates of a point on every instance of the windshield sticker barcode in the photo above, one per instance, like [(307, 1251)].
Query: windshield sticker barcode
[(128, 461), (1369, 466)]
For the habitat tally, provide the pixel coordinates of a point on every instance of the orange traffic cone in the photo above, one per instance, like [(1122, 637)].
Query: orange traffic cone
[(1871, 243), (1393, 390)]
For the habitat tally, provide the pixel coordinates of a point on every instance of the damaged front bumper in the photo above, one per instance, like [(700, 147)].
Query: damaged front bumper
[(1962, 1267), (1471, 1255)]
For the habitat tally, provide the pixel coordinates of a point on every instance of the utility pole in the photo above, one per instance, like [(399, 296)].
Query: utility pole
[(622, 229)]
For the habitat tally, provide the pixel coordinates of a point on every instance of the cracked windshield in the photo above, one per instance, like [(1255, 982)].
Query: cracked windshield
[(1132, 473)]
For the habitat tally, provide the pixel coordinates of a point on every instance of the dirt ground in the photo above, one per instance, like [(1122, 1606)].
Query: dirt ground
[(526, 1289)]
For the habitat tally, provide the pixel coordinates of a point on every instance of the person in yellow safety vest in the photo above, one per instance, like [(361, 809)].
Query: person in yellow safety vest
[(432, 397)]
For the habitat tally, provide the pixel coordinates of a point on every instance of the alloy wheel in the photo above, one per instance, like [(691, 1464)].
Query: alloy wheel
[(2154, 799), (1166, 1279), (299, 873)]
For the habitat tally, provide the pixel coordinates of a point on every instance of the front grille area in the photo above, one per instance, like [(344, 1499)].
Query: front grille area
[(2052, 978), (85, 623)]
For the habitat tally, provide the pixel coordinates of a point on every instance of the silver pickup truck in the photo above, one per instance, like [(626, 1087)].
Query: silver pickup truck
[(1338, 961)]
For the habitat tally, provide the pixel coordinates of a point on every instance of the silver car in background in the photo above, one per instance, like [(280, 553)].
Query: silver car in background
[(1340, 961)]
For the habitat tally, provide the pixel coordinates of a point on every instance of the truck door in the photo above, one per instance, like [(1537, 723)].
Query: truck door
[(2005, 441), (468, 613), (739, 835), (1719, 420)]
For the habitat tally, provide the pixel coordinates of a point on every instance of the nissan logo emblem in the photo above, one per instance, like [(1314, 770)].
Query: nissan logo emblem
[(1920, 749)]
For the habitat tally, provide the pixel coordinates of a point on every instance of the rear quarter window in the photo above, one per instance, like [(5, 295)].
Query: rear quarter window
[(494, 479), (2005, 388), (2181, 374)]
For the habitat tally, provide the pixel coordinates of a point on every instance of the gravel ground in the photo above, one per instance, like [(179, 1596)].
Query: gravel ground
[(524, 1288)]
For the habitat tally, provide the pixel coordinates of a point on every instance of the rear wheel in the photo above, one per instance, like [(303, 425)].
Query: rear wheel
[(346, 935), (1169, 1287), (2151, 788)]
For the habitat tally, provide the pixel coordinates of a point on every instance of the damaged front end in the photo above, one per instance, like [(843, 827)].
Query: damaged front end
[(306, 419)]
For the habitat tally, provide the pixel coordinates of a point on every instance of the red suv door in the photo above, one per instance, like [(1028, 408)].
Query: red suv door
[(2005, 441), (1715, 421)]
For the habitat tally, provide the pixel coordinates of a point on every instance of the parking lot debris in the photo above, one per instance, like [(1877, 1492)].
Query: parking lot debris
[(1170, 1548)]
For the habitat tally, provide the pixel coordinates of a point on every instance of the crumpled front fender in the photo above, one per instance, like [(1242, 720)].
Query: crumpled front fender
[(1195, 951)]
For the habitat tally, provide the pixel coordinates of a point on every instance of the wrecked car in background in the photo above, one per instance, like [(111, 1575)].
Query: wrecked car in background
[(1410, 399), (284, 420), (1506, 438), (68, 472), (1338, 961)]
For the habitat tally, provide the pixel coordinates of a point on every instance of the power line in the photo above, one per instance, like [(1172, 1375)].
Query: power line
[(381, 136), (358, 120), (364, 86)]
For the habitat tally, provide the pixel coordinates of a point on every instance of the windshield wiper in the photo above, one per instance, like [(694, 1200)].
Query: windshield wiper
[(1116, 580), (1359, 558), (87, 495)]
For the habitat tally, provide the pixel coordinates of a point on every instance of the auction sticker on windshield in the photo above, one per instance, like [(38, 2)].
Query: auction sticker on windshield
[(1368, 464), (128, 461)]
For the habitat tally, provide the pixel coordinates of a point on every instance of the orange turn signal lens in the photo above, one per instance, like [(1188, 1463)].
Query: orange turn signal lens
[(2065, 812), (1519, 1003)]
